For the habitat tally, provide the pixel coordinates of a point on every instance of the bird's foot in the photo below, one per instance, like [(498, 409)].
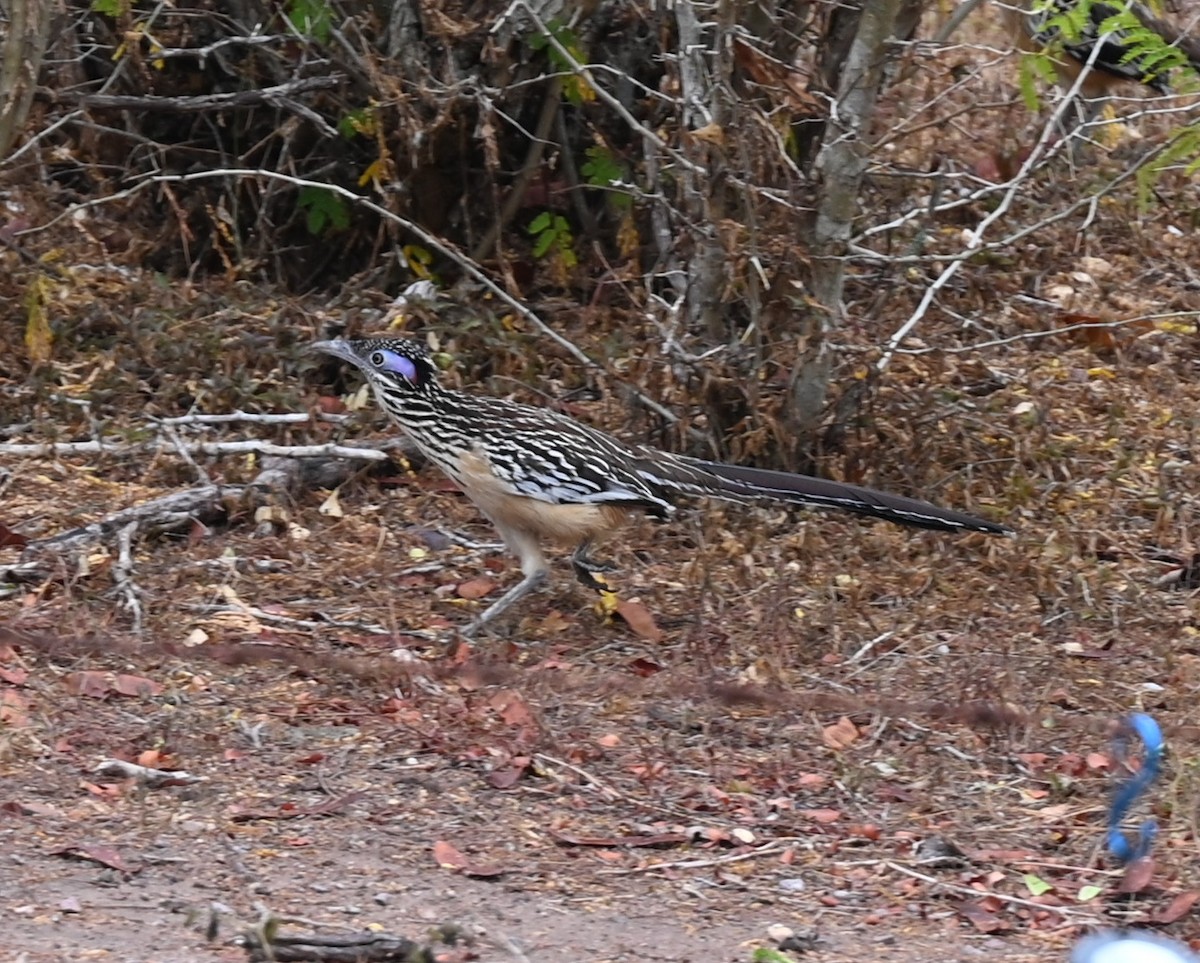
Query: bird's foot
[(591, 572), (607, 604)]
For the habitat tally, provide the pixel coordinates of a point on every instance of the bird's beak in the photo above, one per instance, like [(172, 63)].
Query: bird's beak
[(338, 347)]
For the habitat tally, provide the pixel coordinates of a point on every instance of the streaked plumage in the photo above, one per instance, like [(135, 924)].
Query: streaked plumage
[(538, 474)]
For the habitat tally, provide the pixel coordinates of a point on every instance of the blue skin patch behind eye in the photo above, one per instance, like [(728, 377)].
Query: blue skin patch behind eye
[(397, 364)]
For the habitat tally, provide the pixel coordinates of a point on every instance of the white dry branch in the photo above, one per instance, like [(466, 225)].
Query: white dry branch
[(54, 449)]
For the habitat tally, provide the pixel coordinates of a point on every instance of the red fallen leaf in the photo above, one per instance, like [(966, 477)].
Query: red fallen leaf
[(1137, 876), (15, 807), (94, 685), (107, 790), (233, 755), (448, 857), (197, 533), (1099, 760), (97, 685), (812, 780), (864, 831), (330, 405), (841, 734), (644, 668), (104, 855), (9, 537), (512, 708), (14, 676), (155, 759), (298, 841), (135, 685), (508, 777), (638, 618), (13, 709), (820, 815), (311, 759), (476, 588), (983, 919), (1071, 764), (1178, 908)]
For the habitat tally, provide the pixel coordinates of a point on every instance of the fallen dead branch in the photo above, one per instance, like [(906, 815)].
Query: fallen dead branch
[(265, 944), (179, 510), (152, 778), (101, 447)]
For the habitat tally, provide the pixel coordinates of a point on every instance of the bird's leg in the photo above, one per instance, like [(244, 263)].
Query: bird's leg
[(529, 583), (533, 564), (591, 572)]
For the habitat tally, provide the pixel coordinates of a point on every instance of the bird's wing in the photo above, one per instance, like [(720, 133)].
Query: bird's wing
[(553, 459)]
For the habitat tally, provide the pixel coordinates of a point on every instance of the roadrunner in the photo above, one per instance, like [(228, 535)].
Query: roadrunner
[(539, 475), (1089, 34)]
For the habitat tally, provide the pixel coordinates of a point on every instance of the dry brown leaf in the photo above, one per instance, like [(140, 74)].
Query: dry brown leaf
[(841, 734)]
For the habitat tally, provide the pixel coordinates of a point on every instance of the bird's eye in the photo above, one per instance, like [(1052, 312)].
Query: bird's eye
[(394, 363)]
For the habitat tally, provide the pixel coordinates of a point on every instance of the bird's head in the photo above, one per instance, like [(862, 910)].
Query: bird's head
[(392, 365)]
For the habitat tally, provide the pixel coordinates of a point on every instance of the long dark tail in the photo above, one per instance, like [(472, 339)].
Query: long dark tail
[(712, 479)]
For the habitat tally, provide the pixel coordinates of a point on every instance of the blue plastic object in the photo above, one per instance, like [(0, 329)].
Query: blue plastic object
[(1124, 851)]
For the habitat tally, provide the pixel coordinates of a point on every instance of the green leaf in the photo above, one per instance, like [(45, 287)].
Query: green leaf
[(1087, 893), (111, 8), (1036, 885), (764, 954), (544, 242), (325, 209), (361, 121), (311, 18), (540, 223), (601, 168)]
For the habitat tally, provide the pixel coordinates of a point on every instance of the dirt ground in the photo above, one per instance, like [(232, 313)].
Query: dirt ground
[(818, 703), (897, 745)]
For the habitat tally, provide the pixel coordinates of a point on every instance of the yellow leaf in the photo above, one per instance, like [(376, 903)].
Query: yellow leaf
[(628, 240), (38, 336), (418, 260), (374, 172)]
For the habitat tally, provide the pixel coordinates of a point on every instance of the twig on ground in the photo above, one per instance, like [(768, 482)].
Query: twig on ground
[(254, 418), (152, 778), (977, 894), (768, 849), (53, 449), (123, 574)]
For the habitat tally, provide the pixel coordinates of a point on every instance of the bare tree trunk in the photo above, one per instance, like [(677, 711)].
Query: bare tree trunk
[(704, 71), (839, 169), (20, 62)]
